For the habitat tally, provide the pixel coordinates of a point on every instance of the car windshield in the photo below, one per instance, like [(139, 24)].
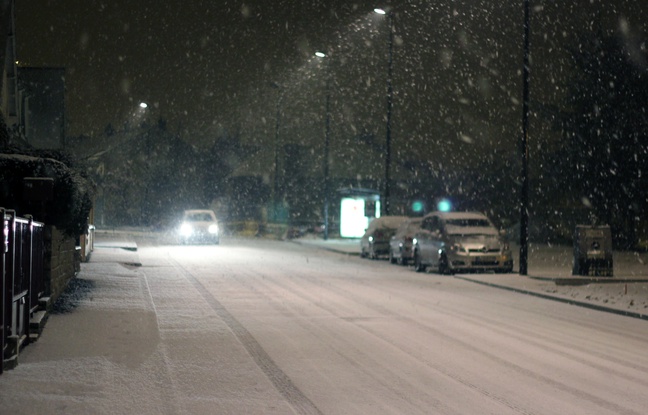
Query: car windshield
[(469, 226), (468, 223), (199, 217)]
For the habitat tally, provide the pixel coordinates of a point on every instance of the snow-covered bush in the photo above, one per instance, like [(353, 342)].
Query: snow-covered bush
[(72, 193)]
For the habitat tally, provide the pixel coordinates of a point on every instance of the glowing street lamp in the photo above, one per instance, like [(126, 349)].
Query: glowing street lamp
[(390, 98), (327, 135)]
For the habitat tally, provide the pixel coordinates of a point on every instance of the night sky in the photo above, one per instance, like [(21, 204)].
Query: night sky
[(207, 66), (189, 59)]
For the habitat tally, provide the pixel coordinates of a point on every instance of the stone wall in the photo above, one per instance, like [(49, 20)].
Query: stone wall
[(62, 261)]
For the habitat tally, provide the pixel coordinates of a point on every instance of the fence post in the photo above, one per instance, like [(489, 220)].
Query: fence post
[(30, 292), (3, 250)]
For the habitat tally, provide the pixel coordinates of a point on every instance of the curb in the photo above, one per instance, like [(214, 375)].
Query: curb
[(339, 252), (558, 281), (325, 248), (591, 306), (585, 280), (127, 246)]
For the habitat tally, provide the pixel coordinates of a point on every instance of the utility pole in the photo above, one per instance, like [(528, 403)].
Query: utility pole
[(390, 103), (524, 150)]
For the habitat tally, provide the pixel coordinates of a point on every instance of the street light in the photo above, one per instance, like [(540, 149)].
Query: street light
[(327, 134), (275, 188), (390, 97), (140, 114)]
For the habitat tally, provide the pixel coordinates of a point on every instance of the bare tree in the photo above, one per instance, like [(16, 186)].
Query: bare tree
[(5, 27)]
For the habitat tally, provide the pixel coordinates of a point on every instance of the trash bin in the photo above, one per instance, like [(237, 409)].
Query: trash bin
[(593, 251)]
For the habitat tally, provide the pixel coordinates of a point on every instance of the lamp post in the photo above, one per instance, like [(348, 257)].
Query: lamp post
[(524, 150), (275, 187), (327, 135), (390, 97)]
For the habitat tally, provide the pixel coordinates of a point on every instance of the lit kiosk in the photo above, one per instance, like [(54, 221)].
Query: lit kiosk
[(357, 208)]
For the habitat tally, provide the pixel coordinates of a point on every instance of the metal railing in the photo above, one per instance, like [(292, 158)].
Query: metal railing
[(22, 256)]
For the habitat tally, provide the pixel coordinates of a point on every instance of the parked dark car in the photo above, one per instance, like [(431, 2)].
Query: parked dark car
[(400, 245), (460, 241), (375, 241)]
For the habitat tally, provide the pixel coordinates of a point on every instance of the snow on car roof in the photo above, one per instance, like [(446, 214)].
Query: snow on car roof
[(198, 211), (388, 221), (413, 223), (461, 215)]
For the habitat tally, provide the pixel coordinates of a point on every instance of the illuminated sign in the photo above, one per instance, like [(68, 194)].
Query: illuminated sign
[(353, 221)]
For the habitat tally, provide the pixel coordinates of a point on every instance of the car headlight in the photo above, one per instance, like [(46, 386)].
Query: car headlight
[(186, 229), (213, 229), (371, 239), (457, 248)]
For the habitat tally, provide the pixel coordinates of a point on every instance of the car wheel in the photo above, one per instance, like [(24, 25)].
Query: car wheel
[(444, 267), (392, 260), (402, 260), (372, 253), (418, 266)]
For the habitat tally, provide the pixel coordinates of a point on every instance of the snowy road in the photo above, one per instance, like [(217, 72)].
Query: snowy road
[(273, 327)]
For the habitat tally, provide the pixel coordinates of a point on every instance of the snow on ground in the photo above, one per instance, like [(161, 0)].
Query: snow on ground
[(259, 327)]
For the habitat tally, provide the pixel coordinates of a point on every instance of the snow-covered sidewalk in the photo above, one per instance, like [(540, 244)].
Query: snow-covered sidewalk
[(133, 335)]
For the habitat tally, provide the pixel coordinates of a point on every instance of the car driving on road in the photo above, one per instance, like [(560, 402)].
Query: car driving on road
[(199, 225), (460, 241)]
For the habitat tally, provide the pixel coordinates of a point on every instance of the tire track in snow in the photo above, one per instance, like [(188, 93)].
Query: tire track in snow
[(297, 400), (379, 308), (305, 294), (261, 279)]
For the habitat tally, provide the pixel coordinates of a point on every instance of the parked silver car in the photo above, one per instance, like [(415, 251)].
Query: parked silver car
[(400, 245), (460, 241), (375, 241)]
